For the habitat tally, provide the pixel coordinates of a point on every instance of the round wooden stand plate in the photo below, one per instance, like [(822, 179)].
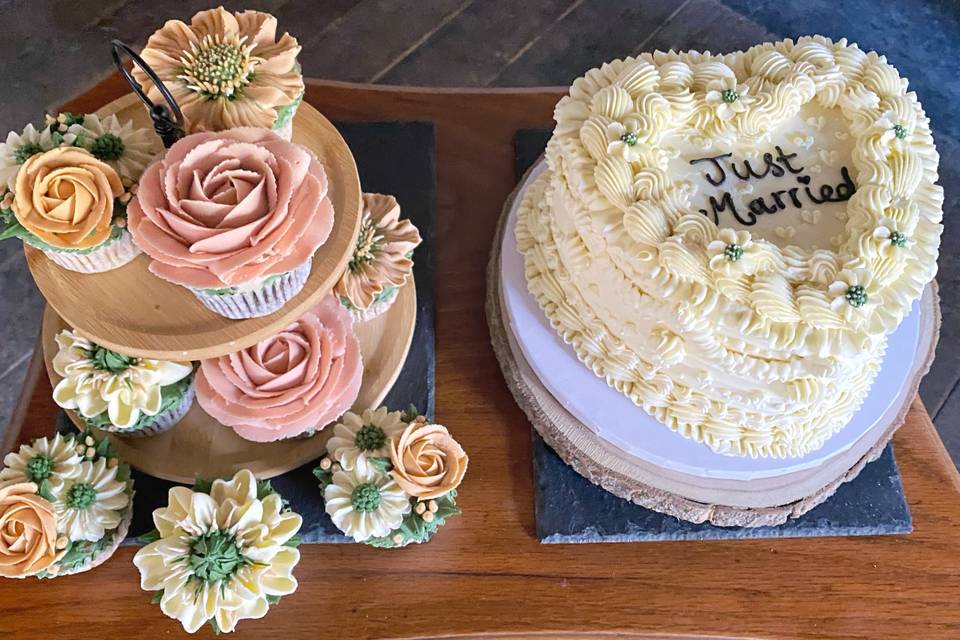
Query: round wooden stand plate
[(139, 314), (712, 489), (200, 446)]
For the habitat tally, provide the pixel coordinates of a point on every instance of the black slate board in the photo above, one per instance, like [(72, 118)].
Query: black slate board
[(395, 158), (570, 509)]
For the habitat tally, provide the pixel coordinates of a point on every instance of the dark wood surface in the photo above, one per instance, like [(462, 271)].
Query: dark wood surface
[(485, 573)]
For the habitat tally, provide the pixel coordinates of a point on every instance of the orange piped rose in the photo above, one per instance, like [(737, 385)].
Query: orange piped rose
[(28, 531), (427, 461), (65, 197)]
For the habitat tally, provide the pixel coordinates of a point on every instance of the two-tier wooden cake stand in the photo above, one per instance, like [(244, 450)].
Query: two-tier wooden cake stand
[(131, 311)]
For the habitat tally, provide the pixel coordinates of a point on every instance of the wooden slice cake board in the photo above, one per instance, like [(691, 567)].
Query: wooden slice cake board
[(757, 502), (199, 446), (136, 313)]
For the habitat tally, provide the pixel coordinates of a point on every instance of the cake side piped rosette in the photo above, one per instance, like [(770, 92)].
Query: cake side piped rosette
[(66, 187), (227, 70), (290, 384), (382, 259), (234, 216), (66, 503)]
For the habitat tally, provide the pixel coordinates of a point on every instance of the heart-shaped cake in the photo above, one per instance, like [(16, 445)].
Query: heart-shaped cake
[(729, 239)]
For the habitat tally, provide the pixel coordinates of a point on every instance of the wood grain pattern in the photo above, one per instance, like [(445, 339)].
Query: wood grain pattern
[(200, 446), (485, 574), (140, 314)]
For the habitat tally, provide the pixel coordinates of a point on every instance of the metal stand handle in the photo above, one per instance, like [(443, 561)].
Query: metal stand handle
[(169, 129)]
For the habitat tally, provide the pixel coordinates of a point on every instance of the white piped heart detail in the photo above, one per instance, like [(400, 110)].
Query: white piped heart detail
[(841, 135), (829, 158), (810, 216), (785, 233)]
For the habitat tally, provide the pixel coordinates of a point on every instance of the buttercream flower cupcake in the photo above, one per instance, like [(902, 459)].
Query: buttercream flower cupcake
[(290, 384), (65, 506), (390, 480), (65, 188), (227, 70), (382, 259), (220, 553), (117, 393), (234, 216)]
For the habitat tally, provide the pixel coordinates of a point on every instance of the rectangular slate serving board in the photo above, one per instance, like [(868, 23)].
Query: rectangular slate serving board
[(570, 509), (396, 158)]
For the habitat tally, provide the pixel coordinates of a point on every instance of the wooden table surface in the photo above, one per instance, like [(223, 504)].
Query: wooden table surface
[(485, 574)]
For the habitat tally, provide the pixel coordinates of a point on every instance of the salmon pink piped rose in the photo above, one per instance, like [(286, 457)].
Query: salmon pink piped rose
[(298, 380), (235, 216)]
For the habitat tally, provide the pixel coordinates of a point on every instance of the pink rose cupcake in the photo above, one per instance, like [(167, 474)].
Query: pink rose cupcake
[(292, 383), (234, 216)]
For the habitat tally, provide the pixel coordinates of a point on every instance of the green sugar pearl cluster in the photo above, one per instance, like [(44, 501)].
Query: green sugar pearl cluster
[(729, 95), (629, 138), (900, 131), (365, 498), (370, 438), (733, 252), (81, 496), (857, 296), (898, 239)]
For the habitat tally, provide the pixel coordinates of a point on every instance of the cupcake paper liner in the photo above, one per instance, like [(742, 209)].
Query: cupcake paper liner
[(259, 302), (164, 422), (112, 255), (286, 131)]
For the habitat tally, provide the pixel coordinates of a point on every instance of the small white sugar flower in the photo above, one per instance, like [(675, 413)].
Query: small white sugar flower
[(627, 139), (728, 97), (365, 505), (732, 252), (854, 295), (358, 438)]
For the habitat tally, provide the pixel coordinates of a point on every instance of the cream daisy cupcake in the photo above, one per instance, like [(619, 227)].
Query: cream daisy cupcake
[(227, 70), (66, 189), (391, 479), (220, 553), (382, 259), (117, 393), (65, 506)]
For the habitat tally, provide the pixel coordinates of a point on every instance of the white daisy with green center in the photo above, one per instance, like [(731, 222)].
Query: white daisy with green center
[(47, 462), (127, 149), (365, 505), (357, 438), (92, 502), (18, 148), (727, 97), (221, 556)]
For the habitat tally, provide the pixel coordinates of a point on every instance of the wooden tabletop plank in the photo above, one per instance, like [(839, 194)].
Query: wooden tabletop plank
[(485, 573)]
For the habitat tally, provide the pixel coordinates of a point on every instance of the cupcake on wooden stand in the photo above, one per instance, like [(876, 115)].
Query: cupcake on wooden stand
[(227, 70), (382, 259), (235, 217), (66, 186)]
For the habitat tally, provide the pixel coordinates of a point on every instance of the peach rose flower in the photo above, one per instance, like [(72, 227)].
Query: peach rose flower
[(427, 461), (65, 197), (299, 379), (230, 208), (28, 531)]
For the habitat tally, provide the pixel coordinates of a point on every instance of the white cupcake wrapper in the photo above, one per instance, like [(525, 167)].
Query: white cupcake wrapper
[(164, 422), (375, 309), (259, 302), (112, 256)]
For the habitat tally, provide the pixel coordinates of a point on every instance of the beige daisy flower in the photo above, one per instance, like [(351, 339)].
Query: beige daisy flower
[(226, 70)]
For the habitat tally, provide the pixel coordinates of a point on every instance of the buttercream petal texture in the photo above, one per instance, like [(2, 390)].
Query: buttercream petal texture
[(256, 532), (226, 69), (293, 382), (229, 209)]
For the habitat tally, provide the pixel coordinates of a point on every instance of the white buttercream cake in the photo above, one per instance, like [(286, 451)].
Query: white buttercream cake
[(728, 240)]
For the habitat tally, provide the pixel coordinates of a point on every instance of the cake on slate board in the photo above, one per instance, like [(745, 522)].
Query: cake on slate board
[(728, 240)]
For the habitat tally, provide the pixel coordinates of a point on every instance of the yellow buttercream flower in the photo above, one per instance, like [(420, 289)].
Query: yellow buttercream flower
[(97, 380), (220, 556)]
